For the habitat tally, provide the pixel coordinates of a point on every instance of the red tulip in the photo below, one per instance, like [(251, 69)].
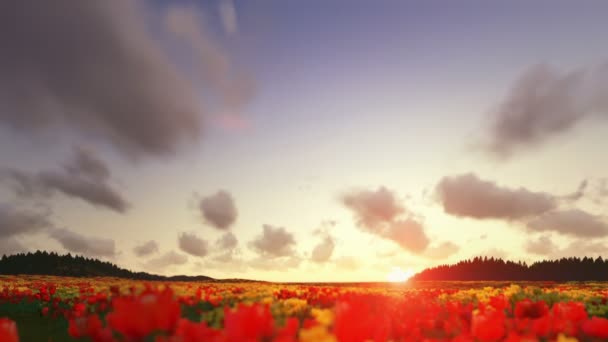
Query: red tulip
[(8, 331), (596, 327)]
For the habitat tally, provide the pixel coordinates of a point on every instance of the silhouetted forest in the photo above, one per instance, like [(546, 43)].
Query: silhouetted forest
[(44, 263), (564, 269)]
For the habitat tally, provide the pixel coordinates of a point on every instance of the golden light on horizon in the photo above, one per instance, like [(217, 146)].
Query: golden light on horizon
[(398, 275)]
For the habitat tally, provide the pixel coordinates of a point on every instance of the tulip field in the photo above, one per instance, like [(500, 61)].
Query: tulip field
[(45, 308)]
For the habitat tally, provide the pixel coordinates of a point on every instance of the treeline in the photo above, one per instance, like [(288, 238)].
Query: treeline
[(44, 263), (564, 269)]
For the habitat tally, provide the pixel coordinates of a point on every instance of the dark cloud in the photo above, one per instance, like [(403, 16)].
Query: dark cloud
[(19, 221), (409, 234), (545, 103), (373, 208), (24, 184), (466, 195), (579, 193), (146, 249), (96, 193), (193, 245), (86, 163), (95, 68), (543, 245), (228, 241), (573, 222), (441, 251), (168, 259), (85, 177), (219, 209), (380, 213), (77, 243), (324, 250), (274, 242)]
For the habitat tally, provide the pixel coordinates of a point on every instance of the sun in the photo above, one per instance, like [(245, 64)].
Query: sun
[(397, 275)]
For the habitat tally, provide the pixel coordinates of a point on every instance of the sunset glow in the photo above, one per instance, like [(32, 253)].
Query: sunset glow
[(397, 275)]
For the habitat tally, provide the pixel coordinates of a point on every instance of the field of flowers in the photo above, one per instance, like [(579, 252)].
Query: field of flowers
[(36, 308)]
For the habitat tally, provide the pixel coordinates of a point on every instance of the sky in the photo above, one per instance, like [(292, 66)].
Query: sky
[(303, 140)]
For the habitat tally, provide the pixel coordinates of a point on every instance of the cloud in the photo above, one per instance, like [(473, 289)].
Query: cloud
[(274, 242), (168, 259), (573, 222), (373, 208), (545, 103), (582, 247), (96, 193), (275, 264), (231, 87), (232, 122), (380, 213), (347, 263), (86, 164), (85, 177), (603, 188), (146, 249), (226, 255), (466, 195), (541, 246), (544, 246), (599, 191), (18, 221), (77, 243), (388, 254), (227, 242), (10, 246), (219, 209), (494, 252), (228, 261), (111, 79), (441, 251), (228, 16), (24, 184), (193, 245), (579, 193), (323, 251), (409, 234)]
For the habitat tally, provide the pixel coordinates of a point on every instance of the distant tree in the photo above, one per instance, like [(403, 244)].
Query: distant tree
[(483, 268), (44, 263)]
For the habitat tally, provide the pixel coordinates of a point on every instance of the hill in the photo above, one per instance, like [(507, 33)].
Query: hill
[(564, 269), (44, 263)]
